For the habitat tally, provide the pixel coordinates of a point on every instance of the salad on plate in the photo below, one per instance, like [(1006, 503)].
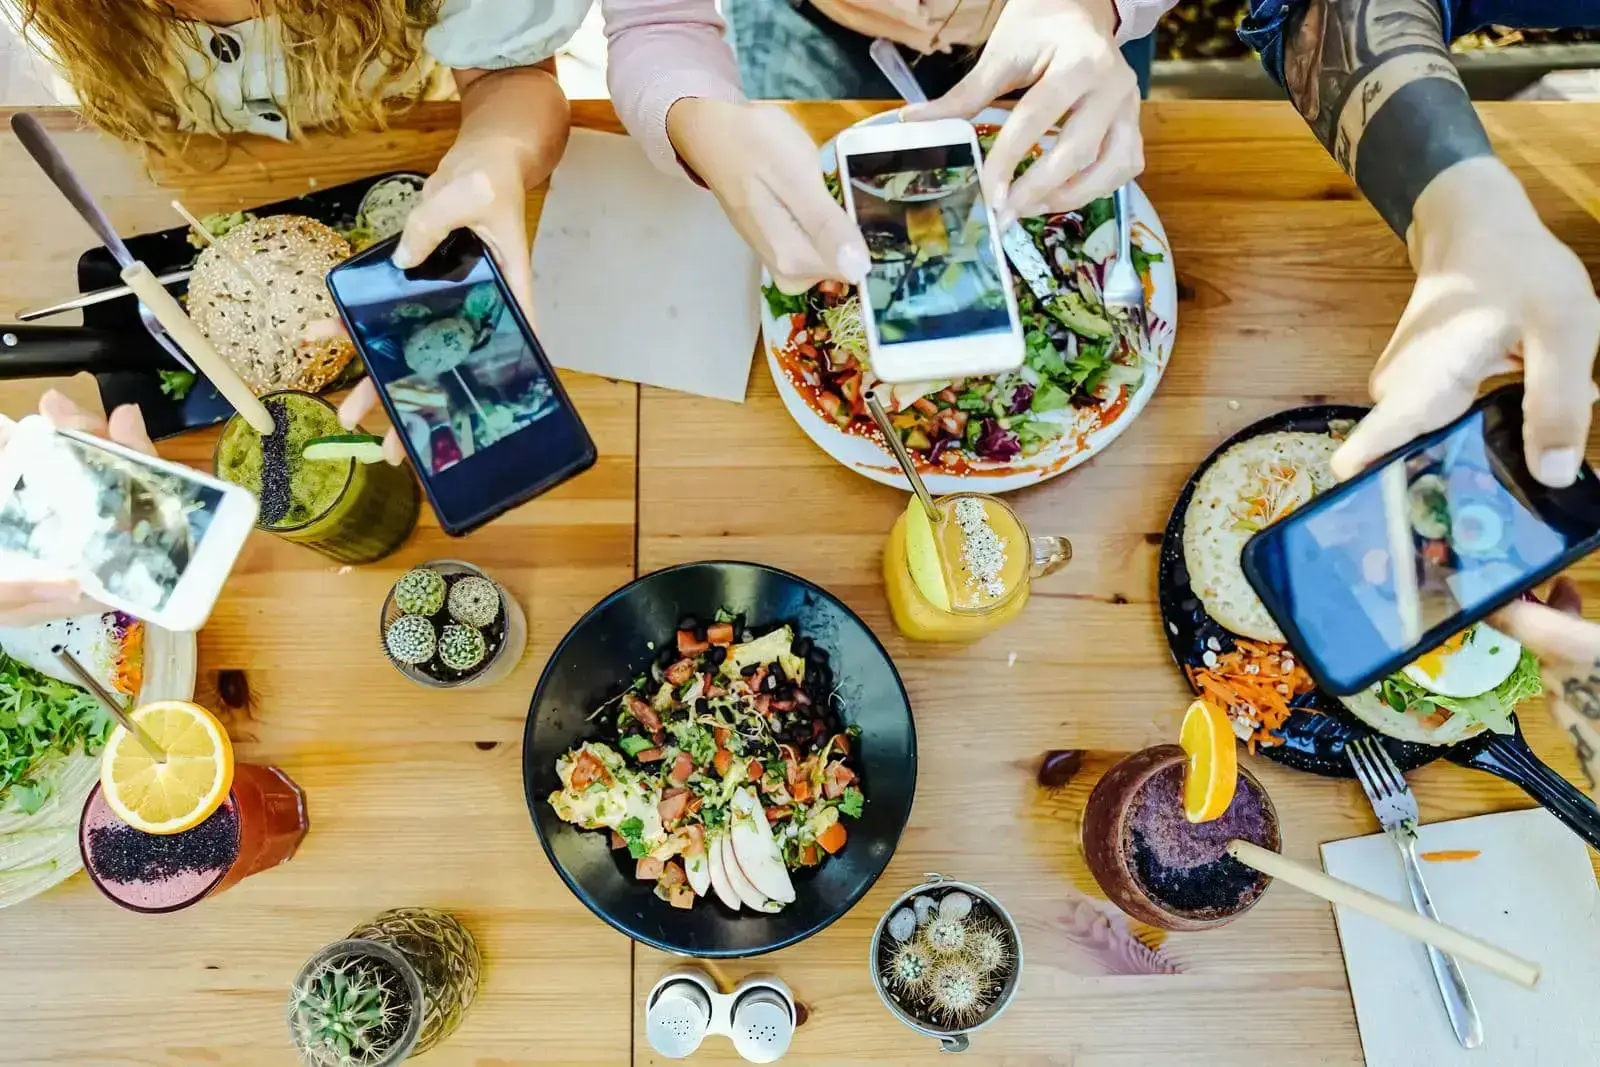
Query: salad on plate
[(722, 769)]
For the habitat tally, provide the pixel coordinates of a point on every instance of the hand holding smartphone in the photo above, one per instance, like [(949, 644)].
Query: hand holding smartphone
[(141, 535), (937, 303), (1420, 546), (477, 405)]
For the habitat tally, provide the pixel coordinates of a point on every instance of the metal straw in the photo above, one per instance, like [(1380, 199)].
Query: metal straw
[(109, 702), (892, 435)]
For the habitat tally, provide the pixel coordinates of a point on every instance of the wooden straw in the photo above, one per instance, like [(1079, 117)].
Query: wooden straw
[(177, 322), (1449, 939)]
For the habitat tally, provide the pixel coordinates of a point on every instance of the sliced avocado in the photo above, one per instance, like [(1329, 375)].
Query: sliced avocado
[(1075, 315)]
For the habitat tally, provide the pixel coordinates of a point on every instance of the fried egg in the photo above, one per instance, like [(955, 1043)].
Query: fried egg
[(1471, 663)]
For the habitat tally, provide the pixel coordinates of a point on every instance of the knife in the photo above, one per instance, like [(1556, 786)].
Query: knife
[(99, 296)]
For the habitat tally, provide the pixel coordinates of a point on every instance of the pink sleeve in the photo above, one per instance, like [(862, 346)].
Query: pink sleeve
[(1139, 17), (660, 52)]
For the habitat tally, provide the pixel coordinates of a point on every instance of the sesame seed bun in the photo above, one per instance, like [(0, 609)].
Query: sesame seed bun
[(260, 334)]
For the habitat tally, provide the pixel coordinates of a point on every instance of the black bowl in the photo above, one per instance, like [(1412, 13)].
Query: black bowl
[(611, 644)]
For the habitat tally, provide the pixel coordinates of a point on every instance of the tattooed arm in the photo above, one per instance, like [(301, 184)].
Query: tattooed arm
[(1496, 291)]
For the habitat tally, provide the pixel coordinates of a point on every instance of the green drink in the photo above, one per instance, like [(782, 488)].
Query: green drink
[(352, 512)]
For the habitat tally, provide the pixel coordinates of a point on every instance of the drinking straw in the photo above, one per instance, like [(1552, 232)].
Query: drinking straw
[(205, 235), (1446, 938), (110, 703), (892, 436)]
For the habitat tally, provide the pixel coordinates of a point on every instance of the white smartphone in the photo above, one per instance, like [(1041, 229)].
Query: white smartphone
[(938, 296), (141, 535)]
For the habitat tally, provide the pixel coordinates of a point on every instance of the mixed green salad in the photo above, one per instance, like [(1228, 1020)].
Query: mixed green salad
[(1076, 360), (42, 721)]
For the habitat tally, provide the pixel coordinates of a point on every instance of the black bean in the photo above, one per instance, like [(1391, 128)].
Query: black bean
[(702, 706), (688, 622), (667, 656), (718, 654), (786, 693), (750, 670), (817, 657), (801, 646), (769, 683), (699, 632)]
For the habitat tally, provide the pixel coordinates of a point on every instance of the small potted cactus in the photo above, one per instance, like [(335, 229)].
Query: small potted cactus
[(447, 624), (393, 989), (946, 960)]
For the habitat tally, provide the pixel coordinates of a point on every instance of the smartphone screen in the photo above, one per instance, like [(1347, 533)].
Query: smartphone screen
[(934, 273), (483, 416), (135, 529), (1369, 575)]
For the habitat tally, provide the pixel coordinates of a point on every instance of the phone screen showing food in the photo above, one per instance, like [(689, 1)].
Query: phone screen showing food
[(1456, 525), (482, 414), (81, 509), (933, 273)]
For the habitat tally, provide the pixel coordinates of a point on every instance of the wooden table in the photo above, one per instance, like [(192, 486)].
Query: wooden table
[(1289, 286)]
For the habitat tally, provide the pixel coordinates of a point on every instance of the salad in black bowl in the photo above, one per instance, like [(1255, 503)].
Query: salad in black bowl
[(720, 759)]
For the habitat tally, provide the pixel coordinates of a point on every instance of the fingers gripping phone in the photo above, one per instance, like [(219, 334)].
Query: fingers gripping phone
[(1423, 544), (479, 408), (141, 535), (938, 299)]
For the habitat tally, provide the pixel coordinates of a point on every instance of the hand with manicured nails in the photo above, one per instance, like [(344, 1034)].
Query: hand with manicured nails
[(1064, 52), (27, 603), (1496, 292), (763, 168)]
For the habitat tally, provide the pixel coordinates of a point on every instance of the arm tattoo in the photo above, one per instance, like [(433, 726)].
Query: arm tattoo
[(1374, 80)]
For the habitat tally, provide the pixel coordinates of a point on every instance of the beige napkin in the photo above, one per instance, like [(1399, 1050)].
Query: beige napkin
[(638, 275), (1530, 890)]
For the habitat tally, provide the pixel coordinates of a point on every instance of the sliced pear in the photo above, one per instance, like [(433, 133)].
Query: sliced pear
[(922, 556), (720, 884), (755, 849), (748, 894), (698, 868)]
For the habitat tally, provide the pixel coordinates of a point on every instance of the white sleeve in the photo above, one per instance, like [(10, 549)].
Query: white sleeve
[(495, 34)]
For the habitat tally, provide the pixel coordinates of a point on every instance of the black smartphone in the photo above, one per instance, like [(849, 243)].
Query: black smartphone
[(482, 413), (1421, 545)]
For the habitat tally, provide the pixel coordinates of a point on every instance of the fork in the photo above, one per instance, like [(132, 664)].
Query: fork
[(1123, 292), (1396, 809)]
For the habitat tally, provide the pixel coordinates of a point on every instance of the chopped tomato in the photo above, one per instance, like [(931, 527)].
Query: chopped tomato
[(926, 406), (720, 633), (681, 896), (754, 681), (832, 838), (682, 768), (715, 691), (648, 869), (838, 409), (689, 645), (809, 856), (680, 672), (781, 811), (948, 395), (723, 760), (650, 755), (838, 777), (792, 769), (721, 733), (587, 769), (806, 350), (755, 770), (763, 704), (672, 874), (841, 744), (618, 841), (801, 791), (782, 705), (697, 840), (693, 805), (671, 808)]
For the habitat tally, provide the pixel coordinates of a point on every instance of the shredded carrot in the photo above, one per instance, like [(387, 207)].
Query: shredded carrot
[(1448, 855), (1256, 682)]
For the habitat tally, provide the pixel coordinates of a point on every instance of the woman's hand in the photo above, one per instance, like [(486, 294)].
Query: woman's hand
[(1568, 647), (1064, 52), (763, 168), (1496, 292), (27, 603)]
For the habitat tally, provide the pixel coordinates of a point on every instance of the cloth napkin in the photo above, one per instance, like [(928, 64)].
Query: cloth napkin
[(1530, 890), (638, 275)]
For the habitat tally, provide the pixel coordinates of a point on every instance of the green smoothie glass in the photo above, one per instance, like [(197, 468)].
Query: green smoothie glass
[(349, 511)]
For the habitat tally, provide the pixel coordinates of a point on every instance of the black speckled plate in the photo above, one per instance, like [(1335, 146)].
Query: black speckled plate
[(1316, 733)]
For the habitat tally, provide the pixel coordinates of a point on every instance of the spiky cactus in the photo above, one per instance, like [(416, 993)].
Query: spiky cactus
[(957, 993), (946, 936), (988, 949), (348, 1012), (910, 966)]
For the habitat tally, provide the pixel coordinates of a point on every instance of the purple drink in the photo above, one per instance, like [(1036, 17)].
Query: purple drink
[(1185, 865), (157, 872)]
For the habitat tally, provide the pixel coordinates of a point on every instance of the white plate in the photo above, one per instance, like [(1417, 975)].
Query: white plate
[(45, 853), (1073, 447)]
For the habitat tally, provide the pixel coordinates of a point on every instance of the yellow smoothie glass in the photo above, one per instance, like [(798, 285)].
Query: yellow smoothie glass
[(966, 575)]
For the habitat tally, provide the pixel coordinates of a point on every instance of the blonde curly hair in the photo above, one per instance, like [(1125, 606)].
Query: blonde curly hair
[(118, 56)]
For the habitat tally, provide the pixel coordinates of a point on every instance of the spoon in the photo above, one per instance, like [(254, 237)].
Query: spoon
[(891, 435), (109, 702)]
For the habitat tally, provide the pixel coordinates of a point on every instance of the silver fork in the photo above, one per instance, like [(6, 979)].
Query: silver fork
[(1123, 292), (1396, 809)]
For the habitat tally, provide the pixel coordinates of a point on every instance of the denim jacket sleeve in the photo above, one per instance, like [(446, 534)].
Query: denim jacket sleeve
[(1264, 28)]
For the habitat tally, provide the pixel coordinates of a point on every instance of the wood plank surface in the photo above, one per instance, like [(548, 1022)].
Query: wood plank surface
[(1289, 286), (415, 796)]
